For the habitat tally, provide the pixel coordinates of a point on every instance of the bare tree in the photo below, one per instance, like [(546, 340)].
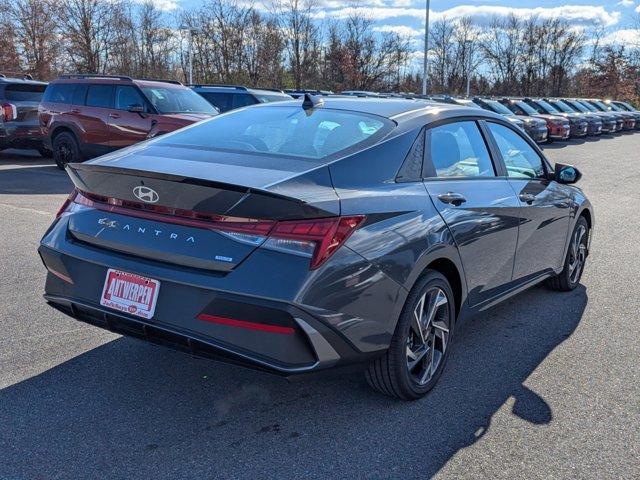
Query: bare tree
[(302, 39), (87, 27), (9, 58)]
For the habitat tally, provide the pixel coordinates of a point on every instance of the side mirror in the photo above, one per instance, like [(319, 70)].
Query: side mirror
[(135, 108), (567, 174)]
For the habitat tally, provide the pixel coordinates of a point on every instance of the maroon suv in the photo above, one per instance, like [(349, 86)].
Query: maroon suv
[(83, 116)]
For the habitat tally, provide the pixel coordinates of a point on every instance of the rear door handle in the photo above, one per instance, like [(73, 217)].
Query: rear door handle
[(527, 198), (114, 115), (452, 198), (75, 110)]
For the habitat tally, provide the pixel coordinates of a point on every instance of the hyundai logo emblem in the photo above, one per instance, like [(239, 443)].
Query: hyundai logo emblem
[(146, 194)]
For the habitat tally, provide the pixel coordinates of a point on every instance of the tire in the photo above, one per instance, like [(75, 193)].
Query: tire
[(45, 152), (410, 368), (65, 149), (569, 278)]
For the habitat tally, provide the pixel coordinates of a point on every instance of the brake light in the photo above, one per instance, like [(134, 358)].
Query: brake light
[(9, 112), (314, 238), (318, 238), (65, 206)]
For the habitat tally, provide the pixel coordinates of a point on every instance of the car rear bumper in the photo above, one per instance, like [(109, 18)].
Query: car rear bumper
[(274, 335), (20, 135)]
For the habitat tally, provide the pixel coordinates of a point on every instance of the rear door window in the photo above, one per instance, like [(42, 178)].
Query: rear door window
[(25, 92), (100, 96), (59, 93), (458, 150), (521, 160)]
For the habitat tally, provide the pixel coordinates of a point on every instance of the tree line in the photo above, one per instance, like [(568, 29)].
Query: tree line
[(286, 46)]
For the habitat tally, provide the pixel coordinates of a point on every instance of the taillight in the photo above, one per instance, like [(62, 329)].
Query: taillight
[(318, 239), (67, 203), (9, 112)]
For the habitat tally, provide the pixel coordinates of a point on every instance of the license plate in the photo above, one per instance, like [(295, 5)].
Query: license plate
[(130, 293)]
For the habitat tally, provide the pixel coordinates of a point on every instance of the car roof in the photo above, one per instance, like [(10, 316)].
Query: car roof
[(397, 109), (116, 79), (26, 81), (239, 88)]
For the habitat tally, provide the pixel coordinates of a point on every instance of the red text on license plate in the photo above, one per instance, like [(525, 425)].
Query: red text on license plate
[(130, 293)]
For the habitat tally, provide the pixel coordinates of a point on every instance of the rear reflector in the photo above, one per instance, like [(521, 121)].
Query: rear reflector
[(232, 322)]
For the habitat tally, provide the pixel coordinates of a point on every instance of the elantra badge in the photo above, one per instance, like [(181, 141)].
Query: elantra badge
[(146, 194)]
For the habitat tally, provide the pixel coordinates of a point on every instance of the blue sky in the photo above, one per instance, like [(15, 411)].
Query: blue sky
[(617, 17)]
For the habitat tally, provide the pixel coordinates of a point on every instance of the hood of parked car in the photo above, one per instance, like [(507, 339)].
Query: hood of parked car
[(554, 118)]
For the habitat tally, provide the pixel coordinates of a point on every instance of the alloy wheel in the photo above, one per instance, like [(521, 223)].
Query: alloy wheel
[(428, 336), (577, 254)]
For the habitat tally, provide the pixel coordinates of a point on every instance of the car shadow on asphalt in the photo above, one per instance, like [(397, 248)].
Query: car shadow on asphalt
[(127, 408)]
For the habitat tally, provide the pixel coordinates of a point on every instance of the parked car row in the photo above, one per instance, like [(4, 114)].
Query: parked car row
[(77, 117)]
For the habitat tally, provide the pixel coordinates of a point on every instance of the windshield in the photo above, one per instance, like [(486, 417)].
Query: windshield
[(560, 105), (527, 108), (498, 107), (25, 92), (285, 131), (614, 107), (547, 106), (588, 106), (599, 106), (578, 106), (467, 103), (628, 106), (177, 100)]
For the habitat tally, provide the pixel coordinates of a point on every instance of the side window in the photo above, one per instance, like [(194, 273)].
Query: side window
[(458, 150), (220, 100), (100, 96), (80, 94), (243, 100), (521, 160), (126, 96), (59, 92)]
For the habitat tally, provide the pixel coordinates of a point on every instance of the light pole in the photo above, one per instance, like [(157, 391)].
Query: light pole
[(426, 47), (468, 44), (191, 31)]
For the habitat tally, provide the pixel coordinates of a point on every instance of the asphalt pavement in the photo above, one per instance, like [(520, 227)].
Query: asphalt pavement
[(546, 385)]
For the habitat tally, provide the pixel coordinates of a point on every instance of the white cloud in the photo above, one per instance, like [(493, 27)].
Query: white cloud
[(402, 30), (481, 14), (626, 3), (625, 36), (166, 5)]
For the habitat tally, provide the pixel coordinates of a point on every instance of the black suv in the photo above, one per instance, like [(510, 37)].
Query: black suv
[(19, 128), (229, 97)]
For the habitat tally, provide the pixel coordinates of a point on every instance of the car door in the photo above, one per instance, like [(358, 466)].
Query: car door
[(126, 127), (476, 202), (95, 125), (546, 208)]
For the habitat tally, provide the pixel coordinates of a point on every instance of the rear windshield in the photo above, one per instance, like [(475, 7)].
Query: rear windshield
[(24, 92), (177, 100), (285, 131), (269, 97)]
